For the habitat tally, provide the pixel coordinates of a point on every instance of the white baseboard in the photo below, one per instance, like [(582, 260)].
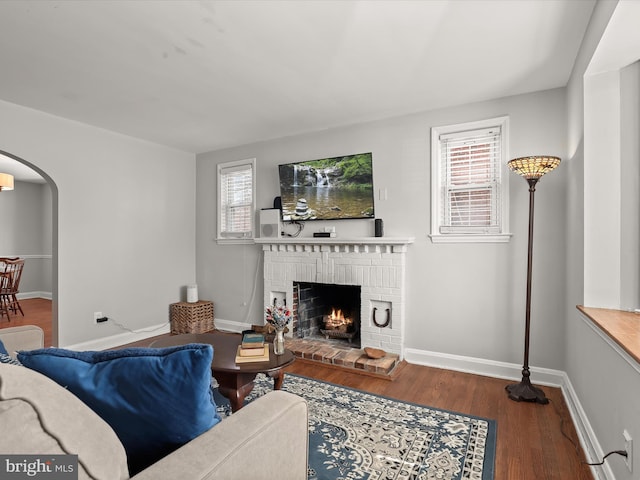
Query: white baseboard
[(149, 332), (231, 325), (481, 366), (28, 295), (588, 440), (540, 376), (122, 338)]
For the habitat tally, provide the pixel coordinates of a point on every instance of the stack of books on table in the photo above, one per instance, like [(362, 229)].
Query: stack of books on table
[(252, 349)]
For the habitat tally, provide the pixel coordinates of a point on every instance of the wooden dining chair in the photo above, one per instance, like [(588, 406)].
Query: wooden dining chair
[(10, 274)]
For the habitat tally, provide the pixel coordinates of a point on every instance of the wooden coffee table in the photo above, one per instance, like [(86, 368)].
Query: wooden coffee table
[(235, 380)]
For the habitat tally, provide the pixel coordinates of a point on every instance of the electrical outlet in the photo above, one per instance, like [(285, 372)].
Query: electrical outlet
[(628, 446), (96, 316)]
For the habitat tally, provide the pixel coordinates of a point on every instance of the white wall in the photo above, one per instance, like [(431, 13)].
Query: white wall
[(22, 216), (602, 190), (630, 186), (463, 299), (123, 221), (606, 383), (25, 214)]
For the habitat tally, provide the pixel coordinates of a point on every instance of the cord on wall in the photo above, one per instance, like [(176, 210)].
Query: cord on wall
[(300, 226), (123, 327), (255, 287), (619, 452), (575, 445)]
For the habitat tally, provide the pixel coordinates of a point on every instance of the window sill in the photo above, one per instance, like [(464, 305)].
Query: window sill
[(622, 327), (470, 238)]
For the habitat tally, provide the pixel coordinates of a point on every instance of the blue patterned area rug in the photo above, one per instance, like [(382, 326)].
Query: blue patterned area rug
[(361, 436)]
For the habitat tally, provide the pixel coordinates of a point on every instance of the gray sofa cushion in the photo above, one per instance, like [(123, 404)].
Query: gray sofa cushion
[(38, 416), (24, 337)]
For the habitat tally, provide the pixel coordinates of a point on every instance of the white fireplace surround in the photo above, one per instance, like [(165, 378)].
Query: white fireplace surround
[(377, 264)]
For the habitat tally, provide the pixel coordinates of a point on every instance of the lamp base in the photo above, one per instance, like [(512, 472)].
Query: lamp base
[(525, 392)]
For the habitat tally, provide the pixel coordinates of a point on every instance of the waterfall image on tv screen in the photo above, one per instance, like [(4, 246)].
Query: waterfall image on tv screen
[(328, 188)]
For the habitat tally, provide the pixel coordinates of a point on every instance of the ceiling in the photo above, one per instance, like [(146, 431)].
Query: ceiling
[(205, 75)]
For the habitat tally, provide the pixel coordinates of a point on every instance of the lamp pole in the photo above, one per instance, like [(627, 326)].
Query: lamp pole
[(524, 391), (532, 169)]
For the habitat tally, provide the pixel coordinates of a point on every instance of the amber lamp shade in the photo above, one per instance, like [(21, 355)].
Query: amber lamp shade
[(532, 168)]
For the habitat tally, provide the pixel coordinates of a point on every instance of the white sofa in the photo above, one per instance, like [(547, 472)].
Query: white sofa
[(266, 439)]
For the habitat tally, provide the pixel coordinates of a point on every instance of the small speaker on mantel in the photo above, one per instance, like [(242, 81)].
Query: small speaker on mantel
[(277, 203), (379, 227), (270, 223)]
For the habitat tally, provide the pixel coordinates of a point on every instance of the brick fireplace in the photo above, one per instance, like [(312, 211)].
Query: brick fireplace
[(376, 265)]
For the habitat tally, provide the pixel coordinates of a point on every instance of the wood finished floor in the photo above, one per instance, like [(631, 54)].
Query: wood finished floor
[(530, 440)]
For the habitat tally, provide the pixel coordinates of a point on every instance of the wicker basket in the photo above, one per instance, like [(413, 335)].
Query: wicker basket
[(191, 317)]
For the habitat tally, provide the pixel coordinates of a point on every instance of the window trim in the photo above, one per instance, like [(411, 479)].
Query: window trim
[(436, 183), (250, 238)]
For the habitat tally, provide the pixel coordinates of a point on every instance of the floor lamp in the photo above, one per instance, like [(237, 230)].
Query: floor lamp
[(531, 168)]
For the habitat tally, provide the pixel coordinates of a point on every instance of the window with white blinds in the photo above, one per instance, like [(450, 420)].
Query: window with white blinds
[(236, 199), (468, 181)]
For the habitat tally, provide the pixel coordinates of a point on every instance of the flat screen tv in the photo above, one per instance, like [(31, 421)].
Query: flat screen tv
[(335, 188)]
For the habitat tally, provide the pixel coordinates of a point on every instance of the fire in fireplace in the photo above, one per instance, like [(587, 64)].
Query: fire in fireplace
[(336, 325), (337, 321), (327, 311)]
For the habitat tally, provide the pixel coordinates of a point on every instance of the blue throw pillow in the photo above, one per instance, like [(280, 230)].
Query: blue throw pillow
[(155, 399), (3, 349)]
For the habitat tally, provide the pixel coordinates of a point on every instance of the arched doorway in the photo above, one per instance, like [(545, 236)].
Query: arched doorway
[(45, 262)]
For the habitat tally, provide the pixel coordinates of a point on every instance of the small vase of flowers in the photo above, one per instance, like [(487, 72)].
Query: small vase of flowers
[(278, 316)]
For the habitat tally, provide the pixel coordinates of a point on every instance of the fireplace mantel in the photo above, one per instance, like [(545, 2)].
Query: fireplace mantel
[(365, 241), (340, 240)]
